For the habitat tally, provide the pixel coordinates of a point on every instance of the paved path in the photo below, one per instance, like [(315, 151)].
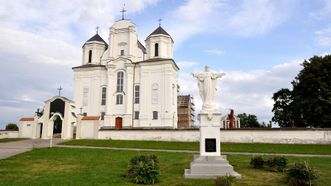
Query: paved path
[(16, 147), (195, 152)]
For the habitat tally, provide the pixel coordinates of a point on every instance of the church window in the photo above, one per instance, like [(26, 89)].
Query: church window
[(122, 52), (120, 80), (155, 93), (156, 49), (103, 115), (85, 96), (155, 115), (90, 56), (103, 96), (136, 94), (119, 99), (136, 114)]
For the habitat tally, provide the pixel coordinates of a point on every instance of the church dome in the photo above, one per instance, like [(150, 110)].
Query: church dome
[(123, 23), (158, 31), (98, 38)]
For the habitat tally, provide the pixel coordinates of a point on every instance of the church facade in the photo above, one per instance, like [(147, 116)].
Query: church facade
[(119, 84), (125, 83)]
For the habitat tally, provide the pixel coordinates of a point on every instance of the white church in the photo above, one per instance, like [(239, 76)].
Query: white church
[(119, 84)]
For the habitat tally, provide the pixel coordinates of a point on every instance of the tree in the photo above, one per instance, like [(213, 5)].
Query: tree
[(248, 121), (309, 103), (11, 126), (282, 108), (312, 93)]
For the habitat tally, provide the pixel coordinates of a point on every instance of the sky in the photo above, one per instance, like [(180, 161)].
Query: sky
[(259, 44)]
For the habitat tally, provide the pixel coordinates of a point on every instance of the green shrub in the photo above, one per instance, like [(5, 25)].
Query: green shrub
[(257, 162), (11, 126), (224, 180), (300, 174), (144, 169), (277, 163)]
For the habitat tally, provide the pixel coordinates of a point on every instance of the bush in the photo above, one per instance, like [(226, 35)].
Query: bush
[(300, 174), (11, 126), (257, 162), (277, 163), (224, 180), (144, 169)]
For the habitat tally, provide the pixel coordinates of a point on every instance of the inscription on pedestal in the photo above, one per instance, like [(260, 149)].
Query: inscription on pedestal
[(210, 144)]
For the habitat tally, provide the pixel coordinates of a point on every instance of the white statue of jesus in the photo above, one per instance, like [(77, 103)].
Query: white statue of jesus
[(207, 82)]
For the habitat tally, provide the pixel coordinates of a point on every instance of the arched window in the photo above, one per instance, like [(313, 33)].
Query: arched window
[(155, 93), (103, 95), (120, 80), (119, 99), (156, 49), (155, 115), (90, 56), (136, 94)]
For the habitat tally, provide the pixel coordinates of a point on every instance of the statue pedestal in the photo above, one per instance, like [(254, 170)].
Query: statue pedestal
[(210, 163)]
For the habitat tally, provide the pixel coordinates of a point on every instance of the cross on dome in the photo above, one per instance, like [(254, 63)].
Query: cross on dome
[(97, 29), (123, 11), (159, 21), (59, 89)]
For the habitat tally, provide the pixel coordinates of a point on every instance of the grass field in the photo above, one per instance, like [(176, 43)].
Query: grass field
[(4, 140), (65, 166), (225, 147)]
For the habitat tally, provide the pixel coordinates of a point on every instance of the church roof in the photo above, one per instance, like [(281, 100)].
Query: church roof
[(90, 117), (88, 66), (26, 119), (97, 37), (141, 46), (159, 30), (158, 60)]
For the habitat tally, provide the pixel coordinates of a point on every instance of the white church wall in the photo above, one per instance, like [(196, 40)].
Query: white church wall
[(281, 136), (156, 82), (165, 46), (93, 80), (97, 48), (26, 129), (89, 129), (8, 134)]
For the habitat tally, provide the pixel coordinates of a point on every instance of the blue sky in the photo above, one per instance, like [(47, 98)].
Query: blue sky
[(259, 44)]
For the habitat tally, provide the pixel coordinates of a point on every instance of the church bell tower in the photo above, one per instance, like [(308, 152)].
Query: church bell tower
[(93, 50)]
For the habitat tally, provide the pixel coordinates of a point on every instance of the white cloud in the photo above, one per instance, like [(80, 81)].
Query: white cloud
[(323, 37), (246, 18), (186, 64), (41, 41), (215, 51), (257, 17), (248, 92)]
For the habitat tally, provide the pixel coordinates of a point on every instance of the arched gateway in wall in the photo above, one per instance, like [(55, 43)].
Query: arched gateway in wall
[(57, 119)]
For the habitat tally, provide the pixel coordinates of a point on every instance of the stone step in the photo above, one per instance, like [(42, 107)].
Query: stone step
[(208, 169), (188, 174)]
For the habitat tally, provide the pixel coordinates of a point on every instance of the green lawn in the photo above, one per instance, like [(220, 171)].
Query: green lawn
[(4, 140), (65, 166), (225, 147)]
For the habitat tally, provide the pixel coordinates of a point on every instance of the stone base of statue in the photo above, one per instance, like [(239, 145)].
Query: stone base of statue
[(210, 163), (210, 167)]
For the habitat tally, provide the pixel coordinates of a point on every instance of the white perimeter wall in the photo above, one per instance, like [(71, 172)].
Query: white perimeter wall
[(321, 136), (8, 134)]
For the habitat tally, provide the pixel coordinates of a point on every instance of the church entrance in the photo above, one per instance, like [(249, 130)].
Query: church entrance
[(57, 110), (57, 127), (118, 123)]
